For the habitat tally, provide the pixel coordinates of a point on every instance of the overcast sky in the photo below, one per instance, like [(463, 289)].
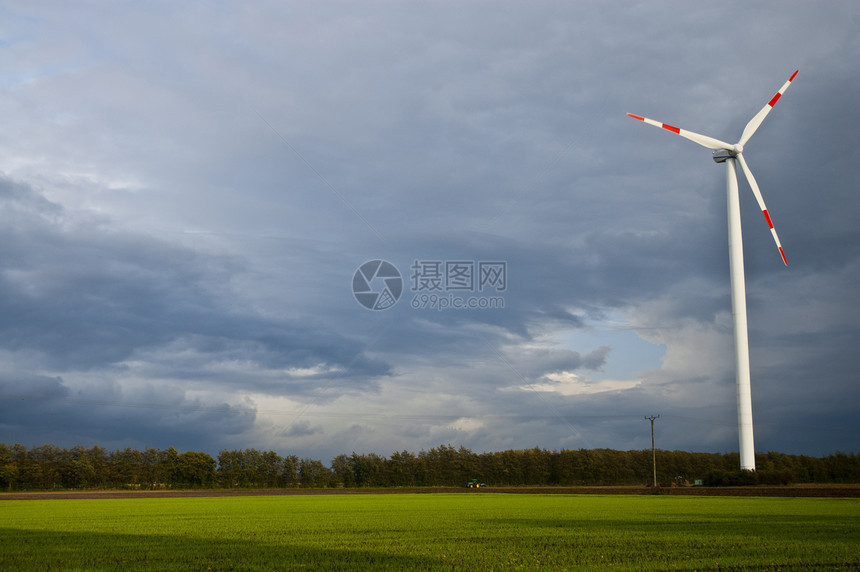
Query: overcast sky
[(188, 189)]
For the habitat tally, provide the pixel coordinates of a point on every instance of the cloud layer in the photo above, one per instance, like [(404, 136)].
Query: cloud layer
[(186, 193)]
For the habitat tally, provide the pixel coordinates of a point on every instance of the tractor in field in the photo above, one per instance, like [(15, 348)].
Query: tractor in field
[(475, 484)]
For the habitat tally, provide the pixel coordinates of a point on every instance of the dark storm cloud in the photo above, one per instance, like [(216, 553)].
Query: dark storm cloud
[(38, 409), (82, 296)]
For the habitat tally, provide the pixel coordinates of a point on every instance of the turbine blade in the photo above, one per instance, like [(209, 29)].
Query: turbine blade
[(754, 186), (702, 140), (759, 117)]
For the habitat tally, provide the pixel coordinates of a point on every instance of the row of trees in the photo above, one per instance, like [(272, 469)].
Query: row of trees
[(49, 467)]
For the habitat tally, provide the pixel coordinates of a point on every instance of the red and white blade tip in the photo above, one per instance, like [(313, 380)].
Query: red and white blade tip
[(665, 126), (778, 94), (775, 237)]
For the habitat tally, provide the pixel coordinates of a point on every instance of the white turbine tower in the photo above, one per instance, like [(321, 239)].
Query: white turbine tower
[(728, 154)]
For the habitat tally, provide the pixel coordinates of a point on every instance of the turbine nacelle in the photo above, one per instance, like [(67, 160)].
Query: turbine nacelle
[(722, 155)]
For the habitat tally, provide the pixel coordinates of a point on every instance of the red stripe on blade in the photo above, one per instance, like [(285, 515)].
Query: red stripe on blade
[(794, 75), (636, 117), (767, 218), (672, 129), (773, 101), (781, 253)]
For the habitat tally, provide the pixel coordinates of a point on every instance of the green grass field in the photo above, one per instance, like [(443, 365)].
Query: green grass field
[(430, 532)]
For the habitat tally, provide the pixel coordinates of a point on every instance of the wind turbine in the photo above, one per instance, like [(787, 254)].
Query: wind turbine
[(729, 154)]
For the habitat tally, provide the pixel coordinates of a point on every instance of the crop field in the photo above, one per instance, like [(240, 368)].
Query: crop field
[(431, 532)]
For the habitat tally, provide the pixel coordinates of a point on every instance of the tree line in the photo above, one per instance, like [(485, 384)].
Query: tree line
[(51, 467)]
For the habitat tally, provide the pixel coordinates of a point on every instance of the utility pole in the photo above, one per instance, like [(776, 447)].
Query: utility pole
[(653, 451)]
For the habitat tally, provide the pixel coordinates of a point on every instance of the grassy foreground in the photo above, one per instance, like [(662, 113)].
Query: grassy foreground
[(430, 532)]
